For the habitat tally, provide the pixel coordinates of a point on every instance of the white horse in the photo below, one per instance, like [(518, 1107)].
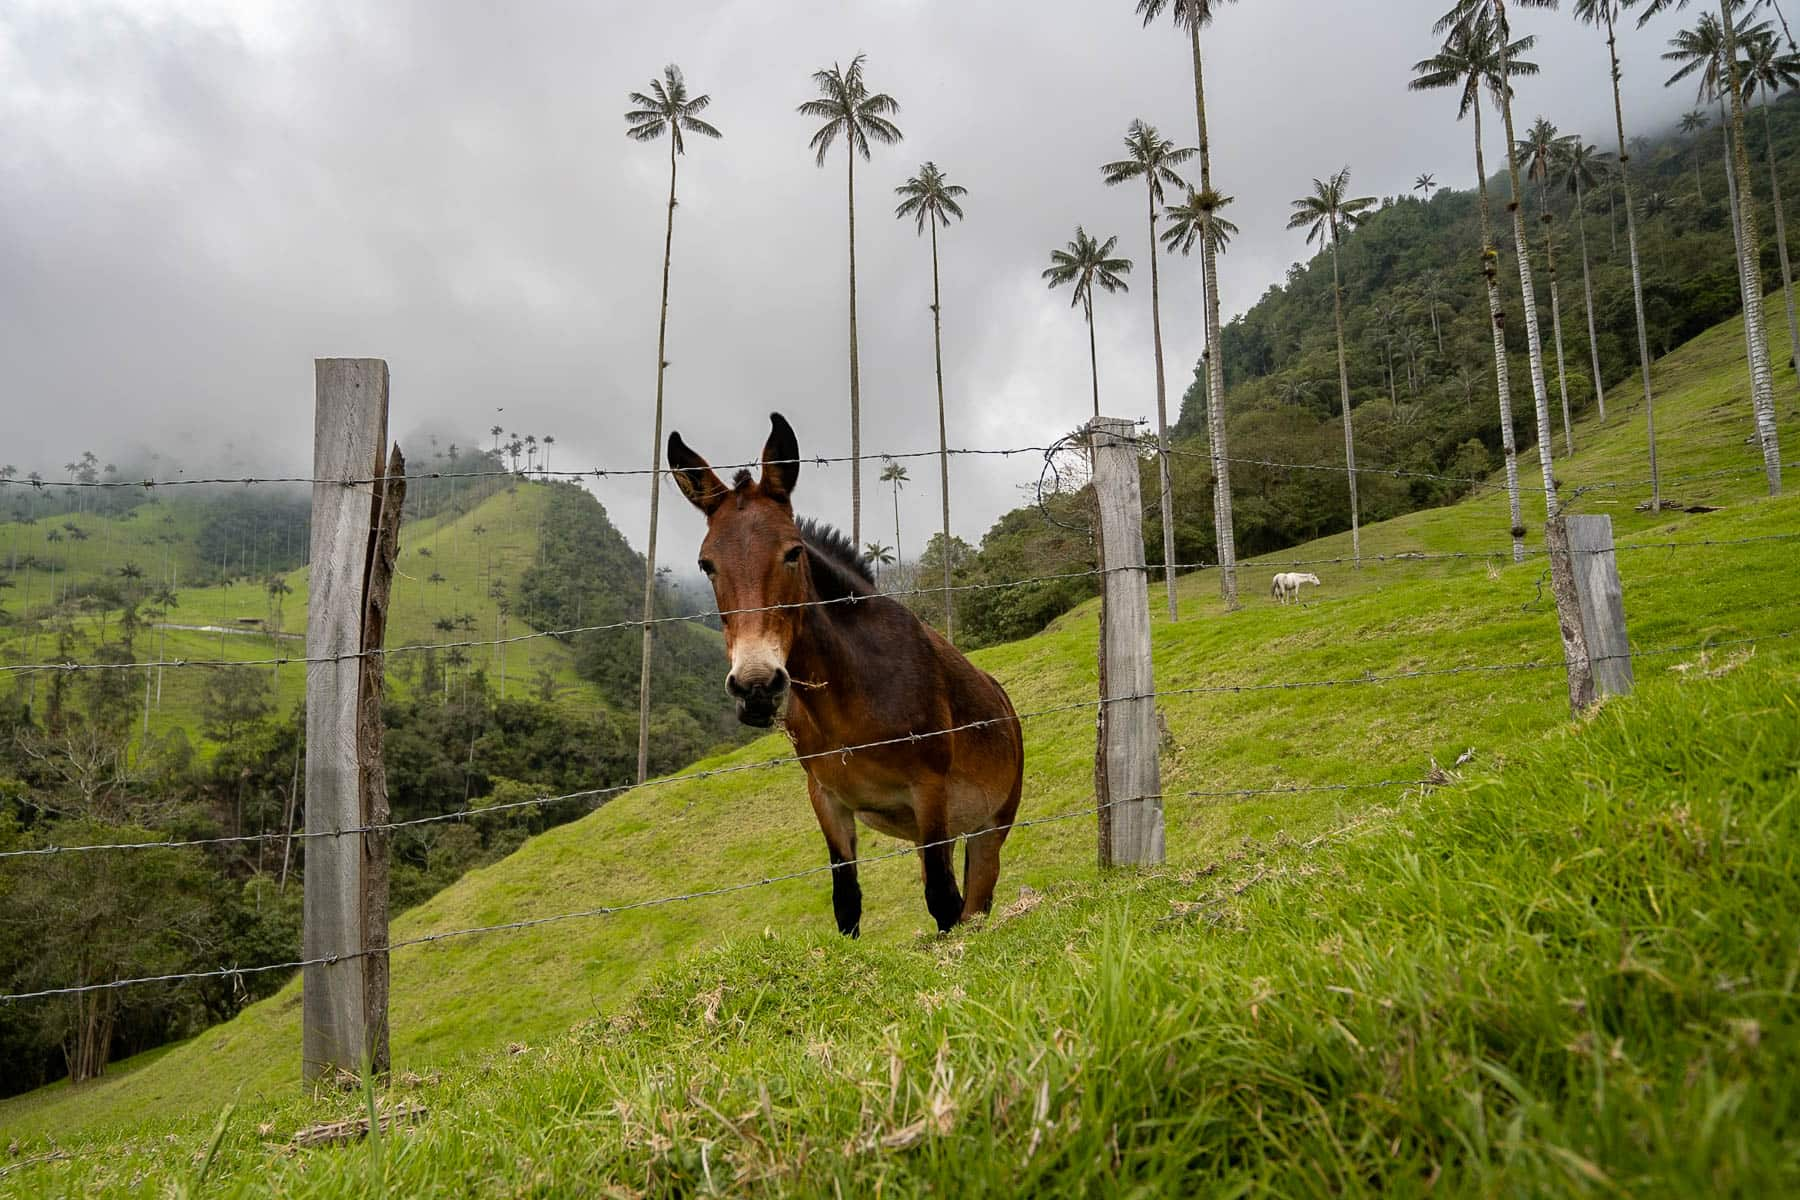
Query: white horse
[(1286, 586)]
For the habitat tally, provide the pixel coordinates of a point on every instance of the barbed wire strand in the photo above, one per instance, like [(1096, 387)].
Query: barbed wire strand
[(910, 738), (698, 894), (1393, 559)]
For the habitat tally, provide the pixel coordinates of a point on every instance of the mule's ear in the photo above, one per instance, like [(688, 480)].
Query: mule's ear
[(780, 459), (694, 477)]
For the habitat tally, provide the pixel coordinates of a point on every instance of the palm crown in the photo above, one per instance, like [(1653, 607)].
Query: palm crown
[(1329, 208), (1152, 157), (1580, 163), (928, 196), (1186, 13), (668, 109), (1470, 61), (1085, 262), (846, 106), (1541, 148), (1188, 222), (1766, 66), (1701, 51)]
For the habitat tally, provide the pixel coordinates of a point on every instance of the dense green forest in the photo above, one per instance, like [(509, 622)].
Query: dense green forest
[(1420, 365)]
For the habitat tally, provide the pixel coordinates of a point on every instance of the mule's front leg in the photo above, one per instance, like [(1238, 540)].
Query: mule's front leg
[(839, 827)]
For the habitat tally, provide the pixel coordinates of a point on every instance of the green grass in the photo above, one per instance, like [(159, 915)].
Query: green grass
[(1477, 914)]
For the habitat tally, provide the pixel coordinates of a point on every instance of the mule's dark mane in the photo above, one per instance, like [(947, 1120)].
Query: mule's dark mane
[(838, 571)]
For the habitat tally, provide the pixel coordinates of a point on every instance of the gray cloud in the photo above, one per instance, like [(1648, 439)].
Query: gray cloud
[(195, 200)]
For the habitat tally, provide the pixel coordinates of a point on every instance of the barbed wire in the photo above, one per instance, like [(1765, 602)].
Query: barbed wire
[(531, 473), (607, 792), (702, 893), (1403, 557)]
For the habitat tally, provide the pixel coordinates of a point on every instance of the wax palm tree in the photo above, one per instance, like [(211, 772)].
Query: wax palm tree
[(851, 112), (1541, 150), (1432, 294), (1470, 61), (1762, 386), (1085, 262), (1189, 17), (1695, 121), (1496, 12), (1386, 315), (1766, 68), (932, 200), (1153, 158), (895, 474), (666, 110), (878, 555), (1189, 220), (1326, 214), (1578, 161), (1426, 182)]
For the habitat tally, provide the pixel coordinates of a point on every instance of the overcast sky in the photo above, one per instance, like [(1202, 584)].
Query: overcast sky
[(198, 198)]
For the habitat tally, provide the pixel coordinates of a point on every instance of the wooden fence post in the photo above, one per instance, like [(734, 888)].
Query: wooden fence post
[(352, 530), (1590, 608), (1127, 774)]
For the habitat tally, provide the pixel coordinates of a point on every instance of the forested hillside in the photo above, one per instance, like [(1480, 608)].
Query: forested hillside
[(1420, 361), (216, 574)]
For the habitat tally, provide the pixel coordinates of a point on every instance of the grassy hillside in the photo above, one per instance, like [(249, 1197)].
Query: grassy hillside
[(475, 995)]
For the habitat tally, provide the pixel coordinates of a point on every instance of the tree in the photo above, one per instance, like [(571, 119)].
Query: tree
[(1426, 182), (932, 200), (1495, 12), (1470, 62), (666, 110), (1189, 16), (1729, 78), (1153, 158), (895, 474), (1767, 68), (1694, 121), (1541, 149), (1604, 17), (1703, 51), (1578, 159), (1085, 262), (1325, 214), (231, 699), (878, 554), (851, 111)]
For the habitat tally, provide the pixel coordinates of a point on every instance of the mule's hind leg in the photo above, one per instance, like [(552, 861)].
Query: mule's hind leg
[(932, 811), (981, 856), (839, 827)]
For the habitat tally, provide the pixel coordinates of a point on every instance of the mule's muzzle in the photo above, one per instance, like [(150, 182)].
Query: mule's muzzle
[(759, 700)]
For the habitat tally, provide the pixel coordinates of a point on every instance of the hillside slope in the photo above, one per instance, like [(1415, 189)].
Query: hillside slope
[(474, 994)]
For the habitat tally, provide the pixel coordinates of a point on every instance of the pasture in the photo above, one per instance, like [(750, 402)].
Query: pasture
[(1566, 963)]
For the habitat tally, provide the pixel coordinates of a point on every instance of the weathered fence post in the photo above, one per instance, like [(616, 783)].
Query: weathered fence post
[(1590, 608), (1127, 784), (354, 531)]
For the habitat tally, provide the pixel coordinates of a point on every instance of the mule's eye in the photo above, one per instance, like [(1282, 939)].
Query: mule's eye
[(706, 567), (792, 557)]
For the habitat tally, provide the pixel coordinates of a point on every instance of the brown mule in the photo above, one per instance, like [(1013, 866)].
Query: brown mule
[(813, 646)]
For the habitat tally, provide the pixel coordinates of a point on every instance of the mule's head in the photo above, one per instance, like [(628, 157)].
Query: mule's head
[(757, 562)]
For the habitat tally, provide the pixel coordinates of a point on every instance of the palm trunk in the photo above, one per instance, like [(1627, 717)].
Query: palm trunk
[(1337, 317), (1762, 396), (1435, 331), (1637, 275), (1093, 358), (937, 349), (1699, 187), (1737, 246), (1162, 413), (1490, 270), (855, 379), (1787, 274), (662, 334), (899, 555), (1534, 345), (1215, 358), (1562, 376), (1587, 288)]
